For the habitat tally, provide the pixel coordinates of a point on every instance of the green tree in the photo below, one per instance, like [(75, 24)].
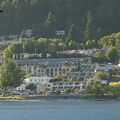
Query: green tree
[(73, 45), (52, 49), (31, 87), (67, 90), (10, 75), (115, 88), (23, 34), (59, 77), (99, 57), (62, 46), (102, 75), (95, 87), (12, 49), (92, 44), (50, 18), (112, 55), (6, 53), (65, 12), (72, 34), (50, 25), (44, 45), (89, 32), (110, 41), (29, 45)]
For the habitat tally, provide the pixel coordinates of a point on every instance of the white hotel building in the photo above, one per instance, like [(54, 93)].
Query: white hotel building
[(40, 82), (52, 67)]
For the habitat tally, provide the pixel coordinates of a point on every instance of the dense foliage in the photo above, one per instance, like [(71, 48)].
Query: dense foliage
[(115, 88), (95, 87), (102, 76), (10, 75), (111, 55), (90, 18)]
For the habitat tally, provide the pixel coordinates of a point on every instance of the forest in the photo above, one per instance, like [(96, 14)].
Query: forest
[(85, 19)]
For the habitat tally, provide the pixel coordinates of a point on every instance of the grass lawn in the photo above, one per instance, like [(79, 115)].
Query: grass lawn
[(12, 98)]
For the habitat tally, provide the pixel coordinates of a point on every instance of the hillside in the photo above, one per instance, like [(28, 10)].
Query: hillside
[(44, 17)]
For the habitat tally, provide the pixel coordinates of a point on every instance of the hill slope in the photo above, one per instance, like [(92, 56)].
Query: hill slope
[(46, 16)]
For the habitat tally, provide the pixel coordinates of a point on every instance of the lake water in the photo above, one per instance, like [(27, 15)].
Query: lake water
[(60, 110)]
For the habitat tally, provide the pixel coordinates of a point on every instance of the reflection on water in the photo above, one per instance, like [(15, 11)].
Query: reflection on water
[(60, 110)]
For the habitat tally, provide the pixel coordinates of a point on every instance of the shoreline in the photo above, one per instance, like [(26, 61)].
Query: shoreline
[(70, 97), (54, 97)]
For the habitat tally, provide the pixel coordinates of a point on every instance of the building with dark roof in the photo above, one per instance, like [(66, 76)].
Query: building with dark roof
[(53, 67)]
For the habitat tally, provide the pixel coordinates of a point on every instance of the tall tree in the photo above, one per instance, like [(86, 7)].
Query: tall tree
[(112, 55), (49, 25), (99, 57), (72, 33), (115, 88), (95, 87), (10, 75), (89, 32)]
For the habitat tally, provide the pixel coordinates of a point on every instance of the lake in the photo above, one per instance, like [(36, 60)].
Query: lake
[(67, 109)]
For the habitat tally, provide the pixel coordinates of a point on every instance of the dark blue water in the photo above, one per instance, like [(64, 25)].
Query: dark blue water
[(60, 110)]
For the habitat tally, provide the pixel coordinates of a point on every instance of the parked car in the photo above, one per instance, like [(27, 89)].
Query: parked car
[(63, 93), (15, 92), (48, 93)]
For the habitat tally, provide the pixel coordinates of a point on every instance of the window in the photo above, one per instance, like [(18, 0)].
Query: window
[(29, 71), (61, 84), (67, 69), (55, 69), (29, 68), (70, 83)]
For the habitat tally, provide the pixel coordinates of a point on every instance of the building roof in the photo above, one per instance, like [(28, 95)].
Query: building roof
[(50, 61), (67, 52)]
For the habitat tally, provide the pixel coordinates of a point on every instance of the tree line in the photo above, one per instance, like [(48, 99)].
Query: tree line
[(45, 46), (105, 88), (90, 19)]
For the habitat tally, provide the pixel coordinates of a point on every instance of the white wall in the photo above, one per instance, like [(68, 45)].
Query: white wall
[(38, 80)]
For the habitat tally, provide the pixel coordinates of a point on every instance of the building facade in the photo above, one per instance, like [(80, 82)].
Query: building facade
[(65, 84), (53, 67), (40, 82)]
